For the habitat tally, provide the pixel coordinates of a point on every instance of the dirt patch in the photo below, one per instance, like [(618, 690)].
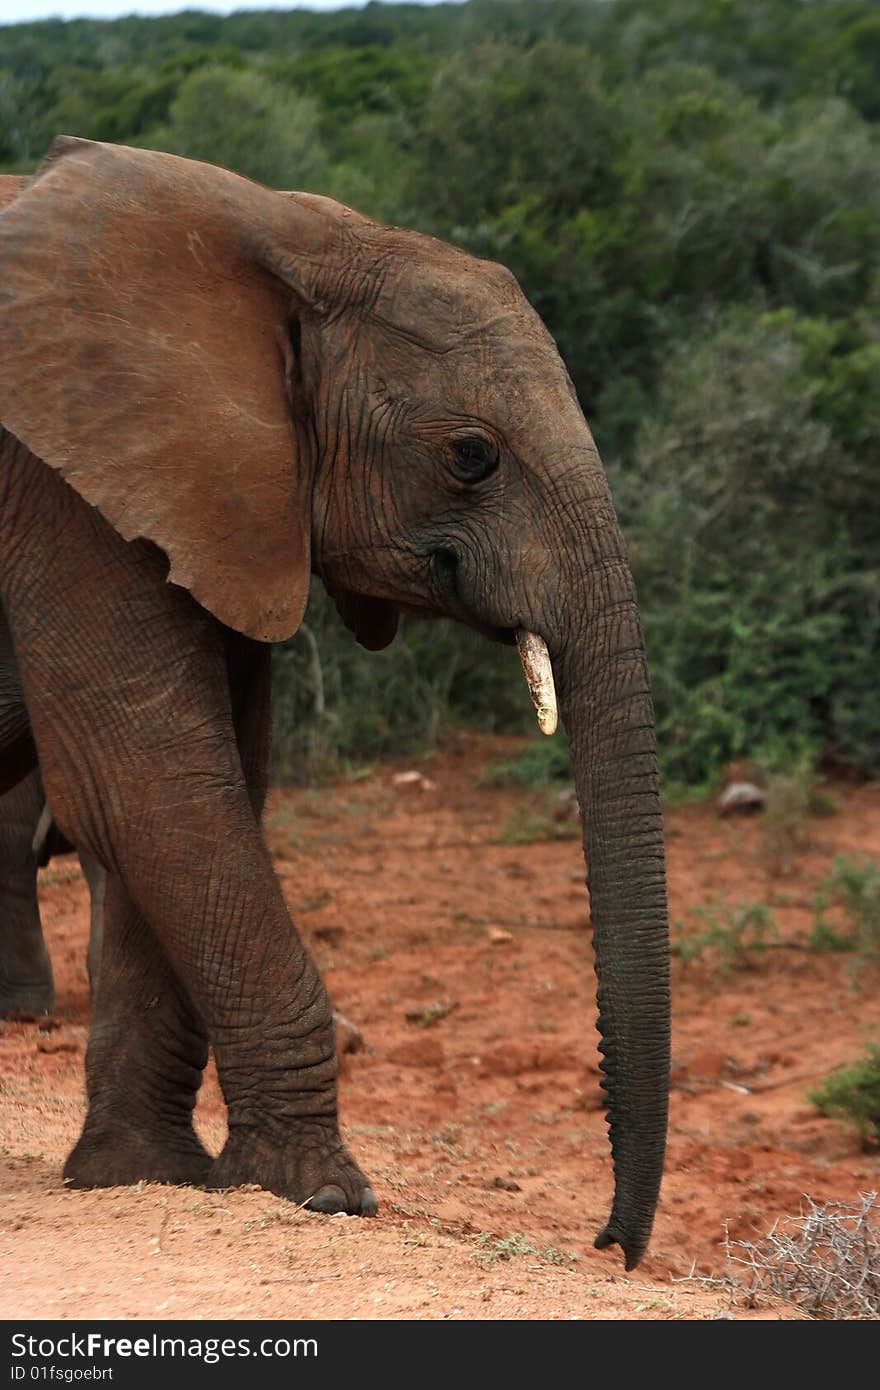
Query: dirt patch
[(462, 955)]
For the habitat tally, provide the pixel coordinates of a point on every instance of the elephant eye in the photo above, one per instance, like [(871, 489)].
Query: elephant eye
[(474, 457)]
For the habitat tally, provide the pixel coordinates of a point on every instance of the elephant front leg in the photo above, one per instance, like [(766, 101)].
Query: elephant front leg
[(292, 1146), (281, 1096), (146, 1054), (26, 985)]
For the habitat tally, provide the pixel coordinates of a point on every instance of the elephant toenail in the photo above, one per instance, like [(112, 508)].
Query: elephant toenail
[(369, 1202)]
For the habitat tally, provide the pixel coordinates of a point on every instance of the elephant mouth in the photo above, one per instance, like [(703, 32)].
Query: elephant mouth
[(450, 602), (533, 653), (506, 636)]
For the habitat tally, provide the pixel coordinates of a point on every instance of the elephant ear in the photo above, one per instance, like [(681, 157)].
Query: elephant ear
[(146, 355)]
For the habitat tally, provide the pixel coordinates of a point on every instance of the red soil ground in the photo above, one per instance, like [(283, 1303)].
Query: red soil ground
[(464, 958)]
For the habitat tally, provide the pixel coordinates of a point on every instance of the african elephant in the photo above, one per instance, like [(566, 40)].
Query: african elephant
[(28, 840), (212, 391)]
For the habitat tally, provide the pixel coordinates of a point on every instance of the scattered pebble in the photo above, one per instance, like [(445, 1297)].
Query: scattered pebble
[(742, 797), (413, 779), (499, 937)]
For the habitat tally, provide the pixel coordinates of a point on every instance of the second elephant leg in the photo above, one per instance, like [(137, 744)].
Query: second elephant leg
[(25, 970), (147, 1050), (249, 670)]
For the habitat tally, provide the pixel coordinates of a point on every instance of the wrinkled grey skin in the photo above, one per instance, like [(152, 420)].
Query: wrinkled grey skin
[(26, 983), (28, 839), (211, 392)]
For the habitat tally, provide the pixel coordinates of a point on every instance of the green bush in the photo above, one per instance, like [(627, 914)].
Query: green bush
[(689, 194), (243, 120), (758, 576), (853, 1094)]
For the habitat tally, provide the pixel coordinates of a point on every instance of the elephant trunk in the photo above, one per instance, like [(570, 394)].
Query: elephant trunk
[(606, 708)]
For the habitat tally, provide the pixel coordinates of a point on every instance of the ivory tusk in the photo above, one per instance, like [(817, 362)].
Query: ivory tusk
[(538, 672)]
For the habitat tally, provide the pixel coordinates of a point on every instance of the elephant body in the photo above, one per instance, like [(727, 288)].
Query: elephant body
[(212, 392)]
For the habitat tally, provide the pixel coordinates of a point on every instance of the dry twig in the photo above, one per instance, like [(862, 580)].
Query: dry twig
[(825, 1261)]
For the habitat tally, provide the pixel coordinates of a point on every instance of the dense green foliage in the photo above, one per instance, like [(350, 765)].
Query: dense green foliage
[(689, 192)]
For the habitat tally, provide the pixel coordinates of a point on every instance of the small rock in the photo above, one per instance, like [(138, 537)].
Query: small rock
[(415, 779), (502, 1184), (499, 937), (740, 797)]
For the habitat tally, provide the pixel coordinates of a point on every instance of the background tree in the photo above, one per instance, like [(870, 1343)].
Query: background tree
[(689, 192)]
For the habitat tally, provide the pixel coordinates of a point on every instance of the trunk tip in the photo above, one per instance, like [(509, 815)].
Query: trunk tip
[(633, 1249)]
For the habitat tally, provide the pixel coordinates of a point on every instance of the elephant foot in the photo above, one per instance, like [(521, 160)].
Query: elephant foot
[(310, 1165), (122, 1157), (27, 1000)]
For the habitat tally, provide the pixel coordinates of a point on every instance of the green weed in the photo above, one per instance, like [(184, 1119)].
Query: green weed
[(492, 1250), (847, 908), (853, 1094), (792, 797), (733, 937)]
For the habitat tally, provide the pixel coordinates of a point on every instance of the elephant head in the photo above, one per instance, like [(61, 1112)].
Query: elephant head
[(269, 385)]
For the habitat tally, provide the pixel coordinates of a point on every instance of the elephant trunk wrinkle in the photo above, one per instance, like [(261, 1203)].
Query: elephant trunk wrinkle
[(606, 707)]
